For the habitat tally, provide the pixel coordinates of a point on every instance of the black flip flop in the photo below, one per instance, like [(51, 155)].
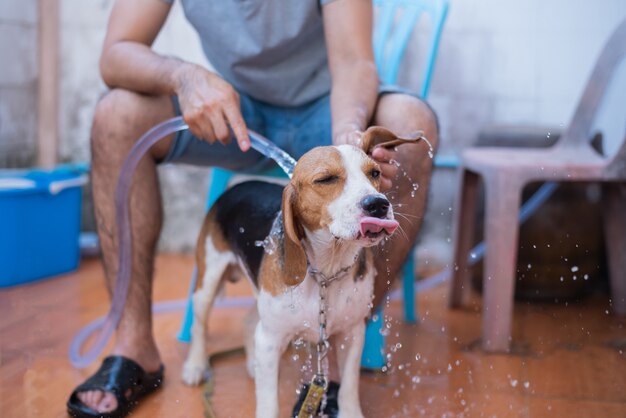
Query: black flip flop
[(117, 375)]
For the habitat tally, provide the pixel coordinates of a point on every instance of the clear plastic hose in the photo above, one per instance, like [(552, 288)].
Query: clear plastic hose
[(122, 213)]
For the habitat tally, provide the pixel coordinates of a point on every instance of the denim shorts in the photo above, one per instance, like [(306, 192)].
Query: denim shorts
[(294, 129)]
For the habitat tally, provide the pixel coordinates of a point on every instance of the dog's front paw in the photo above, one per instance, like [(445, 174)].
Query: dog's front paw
[(194, 373)]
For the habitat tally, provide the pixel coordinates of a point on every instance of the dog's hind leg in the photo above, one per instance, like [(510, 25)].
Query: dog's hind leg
[(250, 322), (212, 264)]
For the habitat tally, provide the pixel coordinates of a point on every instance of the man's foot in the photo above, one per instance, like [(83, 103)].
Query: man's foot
[(105, 402)]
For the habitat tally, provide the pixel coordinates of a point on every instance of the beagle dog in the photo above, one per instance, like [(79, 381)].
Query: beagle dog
[(322, 224)]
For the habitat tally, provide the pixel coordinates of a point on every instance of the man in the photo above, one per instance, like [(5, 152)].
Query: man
[(300, 72)]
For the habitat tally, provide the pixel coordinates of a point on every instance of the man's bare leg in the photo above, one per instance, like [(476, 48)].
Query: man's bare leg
[(121, 118), (404, 114)]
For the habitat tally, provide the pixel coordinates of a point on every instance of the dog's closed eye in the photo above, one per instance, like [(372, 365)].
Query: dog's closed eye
[(326, 179)]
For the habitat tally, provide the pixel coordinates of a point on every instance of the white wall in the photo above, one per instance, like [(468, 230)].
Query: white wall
[(508, 62), (517, 61), (500, 61)]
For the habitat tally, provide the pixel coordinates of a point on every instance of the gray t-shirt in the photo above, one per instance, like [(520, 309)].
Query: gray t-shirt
[(273, 50)]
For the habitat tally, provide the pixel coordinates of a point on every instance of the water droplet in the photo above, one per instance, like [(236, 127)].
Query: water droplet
[(295, 357), (416, 379), (526, 385), (574, 269), (241, 230), (298, 343), (513, 382)]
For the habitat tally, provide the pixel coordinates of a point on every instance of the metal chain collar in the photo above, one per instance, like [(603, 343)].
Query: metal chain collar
[(322, 344)]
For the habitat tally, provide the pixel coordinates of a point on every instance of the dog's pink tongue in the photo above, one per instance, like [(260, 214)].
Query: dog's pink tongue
[(370, 224)]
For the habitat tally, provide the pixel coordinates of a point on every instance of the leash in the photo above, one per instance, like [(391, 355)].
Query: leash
[(315, 398)]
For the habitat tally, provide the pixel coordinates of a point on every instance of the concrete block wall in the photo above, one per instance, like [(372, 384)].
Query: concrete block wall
[(18, 82), (513, 61)]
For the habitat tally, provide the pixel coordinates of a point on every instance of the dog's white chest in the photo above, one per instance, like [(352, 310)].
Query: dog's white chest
[(296, 312)]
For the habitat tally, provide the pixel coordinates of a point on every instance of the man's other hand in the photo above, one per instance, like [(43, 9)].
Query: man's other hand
[(386, 158)]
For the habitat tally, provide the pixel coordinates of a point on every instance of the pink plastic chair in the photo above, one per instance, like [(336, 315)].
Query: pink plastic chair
[(506, 171)]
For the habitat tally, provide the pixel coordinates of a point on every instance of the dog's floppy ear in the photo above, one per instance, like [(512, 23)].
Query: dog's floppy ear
[(378, 136), (295, 262)]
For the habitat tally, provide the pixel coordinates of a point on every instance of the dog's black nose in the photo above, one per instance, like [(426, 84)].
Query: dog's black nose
[(375, 206)]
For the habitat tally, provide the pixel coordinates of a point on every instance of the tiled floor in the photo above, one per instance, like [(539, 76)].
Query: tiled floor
[(569, 361)]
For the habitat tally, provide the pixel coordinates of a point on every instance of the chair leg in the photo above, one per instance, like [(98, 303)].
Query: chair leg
[(217, 184), (408, 287), (501, 235), (463, 236), (184, 335), (373, 356), (614, 197)]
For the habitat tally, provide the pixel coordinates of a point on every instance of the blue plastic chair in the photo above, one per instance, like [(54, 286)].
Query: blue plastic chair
[(395, 24)]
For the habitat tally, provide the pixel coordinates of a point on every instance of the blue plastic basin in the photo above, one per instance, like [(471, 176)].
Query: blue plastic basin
[(39, 224)]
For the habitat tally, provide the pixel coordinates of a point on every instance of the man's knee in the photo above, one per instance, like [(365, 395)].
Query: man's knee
[(406, 112), (122, 116), (111, 108)]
